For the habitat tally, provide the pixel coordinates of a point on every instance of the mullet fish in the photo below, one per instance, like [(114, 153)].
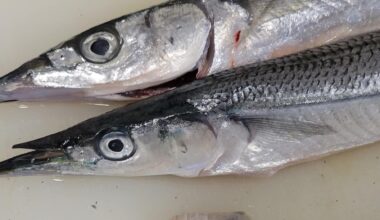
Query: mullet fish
[(250, 120), (160, 48)]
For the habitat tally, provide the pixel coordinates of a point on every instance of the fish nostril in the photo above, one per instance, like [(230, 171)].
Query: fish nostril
[(116, 145), (100, 47)]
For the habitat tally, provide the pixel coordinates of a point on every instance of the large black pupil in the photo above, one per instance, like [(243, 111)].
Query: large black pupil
[(116, 145), (100, 47)]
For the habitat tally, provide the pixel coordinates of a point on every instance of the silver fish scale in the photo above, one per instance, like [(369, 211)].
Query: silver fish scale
[(347, 69)]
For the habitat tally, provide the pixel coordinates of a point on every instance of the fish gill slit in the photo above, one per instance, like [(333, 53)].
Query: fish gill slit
[(236, 41), (237, 36)]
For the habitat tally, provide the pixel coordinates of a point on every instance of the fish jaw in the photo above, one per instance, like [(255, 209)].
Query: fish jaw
[(19, 84), (11, 83), (134, 52)]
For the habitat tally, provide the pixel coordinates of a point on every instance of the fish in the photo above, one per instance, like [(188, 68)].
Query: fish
[(155, 50), (213, 216), (251, 120)]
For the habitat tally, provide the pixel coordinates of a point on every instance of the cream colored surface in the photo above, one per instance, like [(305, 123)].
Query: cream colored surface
[(345, 186)]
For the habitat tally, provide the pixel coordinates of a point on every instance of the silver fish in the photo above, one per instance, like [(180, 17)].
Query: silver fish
[(251, 120), (155, 50)]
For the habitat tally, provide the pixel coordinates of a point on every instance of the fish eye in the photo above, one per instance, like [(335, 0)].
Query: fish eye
[(116, 146), (100, 47)]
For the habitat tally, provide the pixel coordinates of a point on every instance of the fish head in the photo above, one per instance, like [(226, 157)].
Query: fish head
[(132, 53), (160, 146)]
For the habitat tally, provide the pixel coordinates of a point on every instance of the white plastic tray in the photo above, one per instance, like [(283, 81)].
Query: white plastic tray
[(345, 186)]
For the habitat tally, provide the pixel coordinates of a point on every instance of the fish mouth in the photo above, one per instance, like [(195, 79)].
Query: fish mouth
[(45, 153), (31, 159), (18, 86)]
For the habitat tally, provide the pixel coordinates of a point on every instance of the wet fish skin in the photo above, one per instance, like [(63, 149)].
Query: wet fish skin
[(151, 47), (251, 120), (144, 42)]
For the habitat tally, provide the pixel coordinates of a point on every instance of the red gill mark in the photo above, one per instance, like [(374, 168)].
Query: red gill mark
[(237, 38), (236, 44)]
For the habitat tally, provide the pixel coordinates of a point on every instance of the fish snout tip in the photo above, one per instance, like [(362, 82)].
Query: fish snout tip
[(29, 161), (18, 84), (5, 167), (5, 96)]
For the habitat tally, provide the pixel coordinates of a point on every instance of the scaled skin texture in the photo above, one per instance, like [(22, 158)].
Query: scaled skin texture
[(252, 120), (158, 49)]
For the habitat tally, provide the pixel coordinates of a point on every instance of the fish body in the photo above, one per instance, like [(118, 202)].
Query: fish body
[(250, 120), (157, 49)]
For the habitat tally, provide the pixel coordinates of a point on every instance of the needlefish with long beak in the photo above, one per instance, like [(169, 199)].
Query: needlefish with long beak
[(251, 120), (155, 50)]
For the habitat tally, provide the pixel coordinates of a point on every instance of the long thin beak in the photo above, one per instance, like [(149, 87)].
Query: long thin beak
[(18, 84), (50, 149), (30, 159), (44, 151)]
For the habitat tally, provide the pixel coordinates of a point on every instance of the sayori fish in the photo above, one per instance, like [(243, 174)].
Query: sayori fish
[(250, 120), (155, 50)]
